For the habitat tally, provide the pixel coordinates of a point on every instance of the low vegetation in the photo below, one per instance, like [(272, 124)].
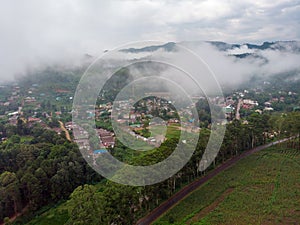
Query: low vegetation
[(260, 189)]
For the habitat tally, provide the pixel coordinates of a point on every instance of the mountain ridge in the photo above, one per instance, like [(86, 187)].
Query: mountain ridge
[(249, 49)]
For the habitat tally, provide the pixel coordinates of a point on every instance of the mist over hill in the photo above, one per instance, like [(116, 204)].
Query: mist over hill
[(232, 64)]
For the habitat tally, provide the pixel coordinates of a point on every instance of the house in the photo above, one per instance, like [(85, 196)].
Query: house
[(69, 125), (13, 113), (29, 99), (107, 141), (249, 104), (258, 111), (106, 138), (268, 109), (104, 133), (268, 104), (228, 109)]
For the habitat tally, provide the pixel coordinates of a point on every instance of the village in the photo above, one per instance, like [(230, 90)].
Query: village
[(30, 106)]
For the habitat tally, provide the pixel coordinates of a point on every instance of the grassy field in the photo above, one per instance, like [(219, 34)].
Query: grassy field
[(261, 189)]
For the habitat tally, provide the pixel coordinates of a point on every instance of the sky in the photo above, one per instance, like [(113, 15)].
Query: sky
[(34, 32)]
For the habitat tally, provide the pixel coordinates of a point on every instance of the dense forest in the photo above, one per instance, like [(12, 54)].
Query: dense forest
[(38, 167)]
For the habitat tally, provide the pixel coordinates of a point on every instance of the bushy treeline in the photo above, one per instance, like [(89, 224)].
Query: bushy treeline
[(119, 204)]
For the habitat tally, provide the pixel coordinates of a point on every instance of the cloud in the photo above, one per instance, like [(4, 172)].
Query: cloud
[(228, 70), (241, 50), (35, 33), (231, 71)]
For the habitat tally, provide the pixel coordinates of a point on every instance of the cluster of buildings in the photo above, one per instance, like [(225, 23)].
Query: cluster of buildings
[(20, 105), (126, 112), (82, 138), (106, 138)]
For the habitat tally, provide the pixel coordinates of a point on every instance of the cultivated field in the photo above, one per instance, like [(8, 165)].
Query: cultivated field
[(263, 188)]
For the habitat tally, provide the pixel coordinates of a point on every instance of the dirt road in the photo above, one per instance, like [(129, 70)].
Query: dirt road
[(62, 126), (237, 114)]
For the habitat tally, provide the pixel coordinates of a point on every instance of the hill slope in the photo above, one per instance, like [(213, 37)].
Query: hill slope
[(261, 189)]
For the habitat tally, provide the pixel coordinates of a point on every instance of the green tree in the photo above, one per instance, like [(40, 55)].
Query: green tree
[(33, 190), (86, 206), (10, 196), (15, 139)]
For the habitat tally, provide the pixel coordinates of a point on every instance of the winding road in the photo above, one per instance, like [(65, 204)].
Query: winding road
[(157, 212)]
